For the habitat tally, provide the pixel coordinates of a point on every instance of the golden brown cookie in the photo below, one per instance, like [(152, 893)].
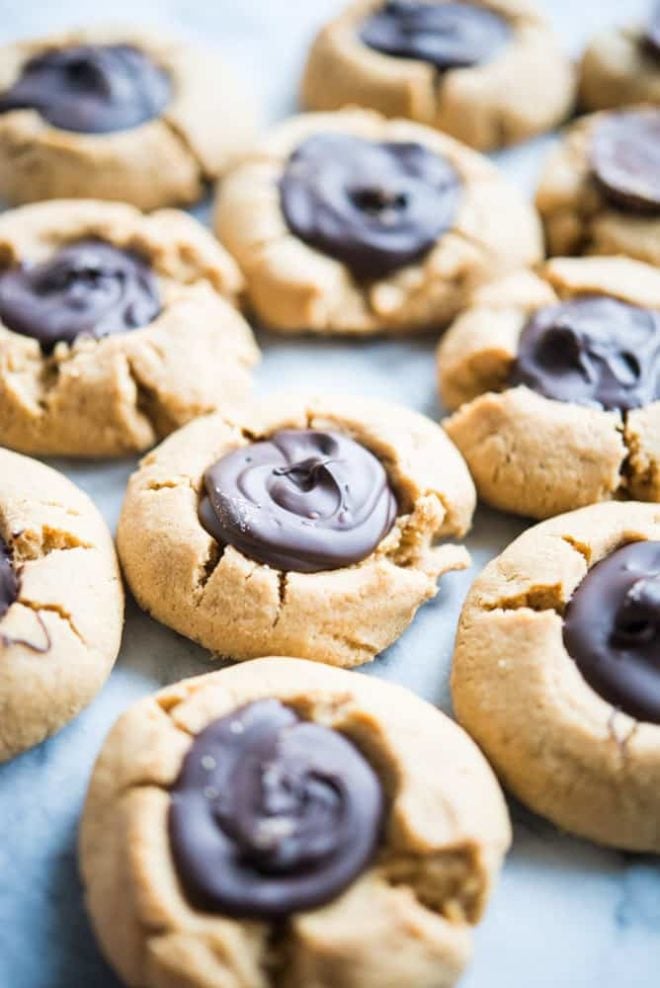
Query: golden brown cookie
[(350, 223), (115, 327), (358, 762), (556, 671), (96, 112), (489, 72), (621, 66), (554, 379), (600, 188), (316, 537), (61, 602)]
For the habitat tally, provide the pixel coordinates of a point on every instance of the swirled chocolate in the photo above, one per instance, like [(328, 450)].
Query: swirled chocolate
[(448, 35), (625, 160), (8, 579), (651, 37), (92, 89), (302, 500), (592, 350), (88, 288), (272, 815), (612, 629), (375, 207)]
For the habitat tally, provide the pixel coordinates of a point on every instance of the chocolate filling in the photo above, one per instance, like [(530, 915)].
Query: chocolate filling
[(448, 35), (9, 585), (651, 39), (625, 160), (375, 207), (612, 629), (301, 500), (272, 815), (92, 89), (88, 288)]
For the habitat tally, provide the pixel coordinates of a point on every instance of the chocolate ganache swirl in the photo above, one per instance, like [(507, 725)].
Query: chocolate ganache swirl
[(592, 350), (447, 35), (91, 89), (374, 206), (301, 500), (8, 580), (271, 814), (625, 160), (88, 288), (612, 629)]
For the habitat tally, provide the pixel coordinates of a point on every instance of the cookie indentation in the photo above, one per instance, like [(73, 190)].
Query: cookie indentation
[(612, 629), (303, 500), (448, 35), (625, 160), (88, 288), (374, 206), (91, 89), (272, 815)]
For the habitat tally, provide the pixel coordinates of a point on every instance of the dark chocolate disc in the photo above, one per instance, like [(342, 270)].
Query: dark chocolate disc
[(375, 207), (651, 37), (272, 815), (592, 350), (625, 159), (88, 288), (302, 500), (8, 579), (612, 629), (91, 89), (448, 35)]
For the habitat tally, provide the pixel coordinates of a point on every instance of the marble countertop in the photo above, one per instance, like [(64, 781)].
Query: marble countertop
[(566, 914)]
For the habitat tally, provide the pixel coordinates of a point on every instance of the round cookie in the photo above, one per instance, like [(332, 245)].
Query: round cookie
[(115, 327), (350, 223), (95, 112), (556, 382), (61, 602), (600, 188), (323, 764), (556, 672), (302, 526), (488, 72), (621, 66)]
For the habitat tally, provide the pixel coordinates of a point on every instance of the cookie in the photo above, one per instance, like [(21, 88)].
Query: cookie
[(301, 526), (600, 189), (95, 112), (557, 384), (556, 673), (621, 66), (61, 602), (350, 223), (488, 72), (115, 327), (370, 829)]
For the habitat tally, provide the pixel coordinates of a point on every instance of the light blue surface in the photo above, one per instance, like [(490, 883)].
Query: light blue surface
[(566, 914)]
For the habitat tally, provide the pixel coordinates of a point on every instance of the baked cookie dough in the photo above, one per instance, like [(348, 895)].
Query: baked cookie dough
[(488, 72), (115, 327), (600, 189), (350, 223), (282, 822), (557, 674), (621, 66), (302, 526), (61, 602), (557, 384), (116, 113)]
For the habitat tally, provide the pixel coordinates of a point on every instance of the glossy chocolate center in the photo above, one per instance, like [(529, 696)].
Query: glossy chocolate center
[(88, 288), (8, 580), (302, 500), (625, 160), (375, 207), (91, 89), (272, 815), (652, 36), (612, 629), (592, 350), (448, 35)]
